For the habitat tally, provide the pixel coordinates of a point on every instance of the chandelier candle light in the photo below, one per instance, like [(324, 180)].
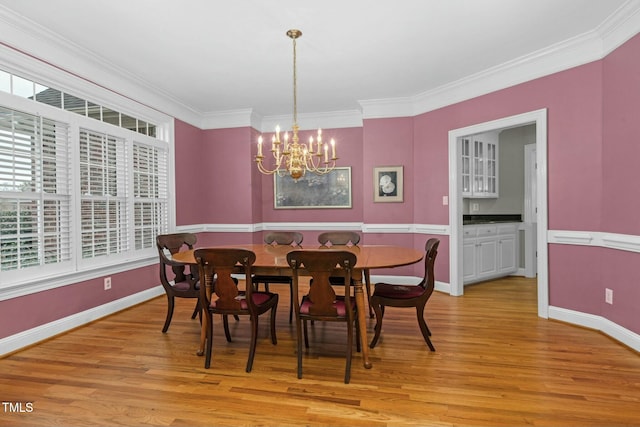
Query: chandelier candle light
[(291, 157)]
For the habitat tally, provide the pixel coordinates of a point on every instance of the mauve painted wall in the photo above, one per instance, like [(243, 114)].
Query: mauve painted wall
[(189, 160), (49, 306), (621, 140)]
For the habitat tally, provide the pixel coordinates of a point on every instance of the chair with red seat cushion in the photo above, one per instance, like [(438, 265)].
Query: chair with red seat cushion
[(291, 238), (345, 238), (219, 294), (385, 294), (177, 283), (322, 303)]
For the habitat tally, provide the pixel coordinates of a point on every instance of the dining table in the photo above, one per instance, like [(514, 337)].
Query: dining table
[(272, 260)]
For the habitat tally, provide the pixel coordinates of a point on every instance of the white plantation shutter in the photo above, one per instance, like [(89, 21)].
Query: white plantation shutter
[(150, 192), (35, 191), (104, 192)]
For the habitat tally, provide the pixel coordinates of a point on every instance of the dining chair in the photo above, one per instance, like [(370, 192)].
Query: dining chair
[(345, 238), (385, 294), (275, 238), (322, 303), (220, 295), (177, 283)]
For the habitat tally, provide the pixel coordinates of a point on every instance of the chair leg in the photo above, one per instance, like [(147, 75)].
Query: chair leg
[(196, 310), (167, 322), (290, 303), (274, 339), (254, 339), (299, 345), (225, 322), (209, 338), (306, 334), (377, 307), (347, 371), (423, 327), (367, 283)]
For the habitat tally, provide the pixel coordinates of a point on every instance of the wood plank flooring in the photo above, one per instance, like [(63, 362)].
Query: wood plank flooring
[(496, 364)]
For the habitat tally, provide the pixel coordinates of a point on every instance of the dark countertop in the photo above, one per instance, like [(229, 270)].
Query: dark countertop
[(490, 219)]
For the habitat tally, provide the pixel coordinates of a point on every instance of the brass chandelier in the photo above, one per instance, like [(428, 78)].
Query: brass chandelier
[(291, 157)]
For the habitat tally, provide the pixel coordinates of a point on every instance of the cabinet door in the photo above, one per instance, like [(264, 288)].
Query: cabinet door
[(466, 167), (468, 260), (507, 254), (487, 250), (479, 172)]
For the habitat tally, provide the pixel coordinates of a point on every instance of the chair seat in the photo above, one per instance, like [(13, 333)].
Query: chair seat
[(185, 286), (386, 290), (259, 298), (339, 305)]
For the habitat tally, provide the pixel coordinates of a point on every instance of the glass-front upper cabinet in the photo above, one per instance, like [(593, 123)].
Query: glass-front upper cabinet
[(480, 166)]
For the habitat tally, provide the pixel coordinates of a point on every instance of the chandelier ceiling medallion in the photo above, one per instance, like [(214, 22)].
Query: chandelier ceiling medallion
[(291, 157)]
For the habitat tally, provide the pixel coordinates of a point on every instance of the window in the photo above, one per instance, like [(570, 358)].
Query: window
[(83, 187), (35, 198), (103, 199)]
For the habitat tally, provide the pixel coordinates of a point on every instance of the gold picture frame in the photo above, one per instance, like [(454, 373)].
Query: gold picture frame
[(388, 184)]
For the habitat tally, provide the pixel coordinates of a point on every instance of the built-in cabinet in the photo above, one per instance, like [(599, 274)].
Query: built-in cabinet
[(480, 166), (489, 251)]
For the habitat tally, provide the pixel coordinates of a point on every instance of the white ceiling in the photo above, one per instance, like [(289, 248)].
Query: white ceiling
[(210, 56)]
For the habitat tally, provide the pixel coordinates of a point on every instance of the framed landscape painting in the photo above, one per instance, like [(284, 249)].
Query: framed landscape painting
[(388, 185), (312, 191)]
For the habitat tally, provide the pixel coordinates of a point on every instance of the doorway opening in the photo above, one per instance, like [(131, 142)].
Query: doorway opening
[(539, 118)]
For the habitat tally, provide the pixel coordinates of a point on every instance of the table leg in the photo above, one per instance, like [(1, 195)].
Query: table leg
[(362, 321)]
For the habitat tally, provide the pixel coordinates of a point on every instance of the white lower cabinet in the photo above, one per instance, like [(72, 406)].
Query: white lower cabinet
[(489, 251)]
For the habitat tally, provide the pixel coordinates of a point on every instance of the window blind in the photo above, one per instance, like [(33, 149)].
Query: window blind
[(35, 191), (104, 190)]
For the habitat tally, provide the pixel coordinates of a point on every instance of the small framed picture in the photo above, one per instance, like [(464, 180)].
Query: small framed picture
[(387, 184)]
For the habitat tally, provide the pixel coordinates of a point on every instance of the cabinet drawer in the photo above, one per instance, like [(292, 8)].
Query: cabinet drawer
[(487, 230), (469, 232)]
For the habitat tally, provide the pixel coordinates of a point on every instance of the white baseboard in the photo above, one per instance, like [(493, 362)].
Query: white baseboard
[(599, 323), (43, 332)]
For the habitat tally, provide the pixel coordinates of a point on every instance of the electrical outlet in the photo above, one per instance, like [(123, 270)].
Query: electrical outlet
[(445, 200), (107, 283), (608, 296), (475, 207)]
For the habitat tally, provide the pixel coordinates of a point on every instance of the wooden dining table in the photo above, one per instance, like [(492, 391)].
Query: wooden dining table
[(272, 260)]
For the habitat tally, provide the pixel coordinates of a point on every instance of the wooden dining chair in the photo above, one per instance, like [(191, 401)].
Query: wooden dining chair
[(275, 238), (177, 283), (345, 238), (322, 303), (219, 294), (385, 294)]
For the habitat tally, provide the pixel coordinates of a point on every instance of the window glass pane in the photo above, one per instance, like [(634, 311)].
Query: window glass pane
[(93, 111), (22, 87), (48, 96), (75, 104), (142, 127), (110, 116), (152, 130), (5, 81), (128, 122)]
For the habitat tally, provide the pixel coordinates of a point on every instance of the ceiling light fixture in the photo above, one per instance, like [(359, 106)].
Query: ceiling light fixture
[(291, 157)]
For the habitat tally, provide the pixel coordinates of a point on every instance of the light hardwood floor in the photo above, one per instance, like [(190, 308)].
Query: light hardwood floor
[(496, 363)]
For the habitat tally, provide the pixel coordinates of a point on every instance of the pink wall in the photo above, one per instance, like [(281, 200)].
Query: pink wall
[(621, 139), (26, 312)]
